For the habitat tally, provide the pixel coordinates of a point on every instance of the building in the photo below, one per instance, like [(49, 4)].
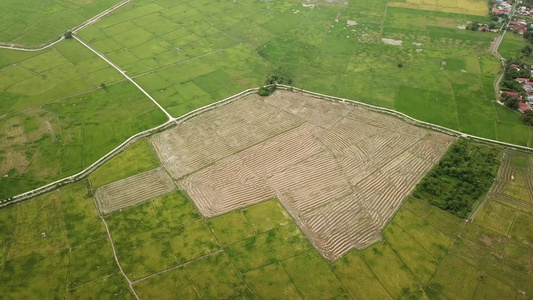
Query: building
[(523, 107)]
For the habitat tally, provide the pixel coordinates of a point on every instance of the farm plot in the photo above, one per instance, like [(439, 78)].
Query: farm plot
[(36, 22), (514, 182), (133, 190), (340, 171), (219, 133)]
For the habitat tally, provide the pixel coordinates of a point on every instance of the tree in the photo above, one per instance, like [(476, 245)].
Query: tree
[(512, 103), (400, 65), (526, 50), (68, 34), (528, 117)]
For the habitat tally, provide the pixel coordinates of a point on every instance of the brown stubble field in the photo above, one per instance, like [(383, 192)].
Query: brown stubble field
[(133, 190), (341, 171)]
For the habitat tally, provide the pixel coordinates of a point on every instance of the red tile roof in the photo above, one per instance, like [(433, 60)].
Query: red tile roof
[(523, 106)]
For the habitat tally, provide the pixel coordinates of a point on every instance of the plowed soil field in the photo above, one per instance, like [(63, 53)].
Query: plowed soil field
[(133, 190), (341, 171)]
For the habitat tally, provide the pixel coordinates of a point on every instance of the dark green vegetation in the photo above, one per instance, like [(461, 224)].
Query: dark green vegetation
[(461, 178), (46, 132), (191, 53), (32, 23)]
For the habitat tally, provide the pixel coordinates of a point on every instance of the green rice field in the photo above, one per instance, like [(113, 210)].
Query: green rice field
[(188, 54), (196, 52), (56, 246), (33, 22), (63, 108)]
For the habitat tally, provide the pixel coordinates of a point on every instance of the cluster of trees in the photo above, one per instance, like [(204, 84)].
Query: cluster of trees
[(527, 116), (510, 74), (509, 83), (278, 77), (462, 177), (510, 101)]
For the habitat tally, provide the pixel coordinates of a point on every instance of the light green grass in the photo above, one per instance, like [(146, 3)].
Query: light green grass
[(215, 276), (34, 23), (168, 285), (91, 261), (174, 209), (271, 282), (431, 239), (239, 50), (230, 228), (519, 230), (192, 241), (113, 286), (381, 259), (312, 276), (358, 278), (496, 216), (34, 276), (138, 158), (80, 215), (98, 121), (35, 218), (415, 257), (267, 215), (456, 279), (268, 247), (511, 45)]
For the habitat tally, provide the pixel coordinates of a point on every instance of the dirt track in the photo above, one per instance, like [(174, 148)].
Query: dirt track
[(341, 171)]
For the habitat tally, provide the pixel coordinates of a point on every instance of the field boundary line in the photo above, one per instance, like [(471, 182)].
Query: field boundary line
[(87, 171), (177, 266), (50, 43), (176, 121), (130, 284), (169, 116), (404, 117)]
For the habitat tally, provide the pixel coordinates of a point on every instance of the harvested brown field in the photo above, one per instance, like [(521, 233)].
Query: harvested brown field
[(133, 190), (341, 171)]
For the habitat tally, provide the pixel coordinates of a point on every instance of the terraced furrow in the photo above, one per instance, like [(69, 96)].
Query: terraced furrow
[(340, 171), (133, 190)]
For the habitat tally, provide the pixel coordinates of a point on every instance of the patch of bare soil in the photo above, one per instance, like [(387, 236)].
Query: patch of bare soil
[(341, 171), (133, 190)]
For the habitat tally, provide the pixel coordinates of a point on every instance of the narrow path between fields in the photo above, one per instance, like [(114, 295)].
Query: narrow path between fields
[(123, 74), (14, 46), (494, 50), (130, 284)]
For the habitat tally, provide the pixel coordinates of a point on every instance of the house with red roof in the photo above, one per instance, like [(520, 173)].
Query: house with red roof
[(522, 79), (523, 107), (516, 95)]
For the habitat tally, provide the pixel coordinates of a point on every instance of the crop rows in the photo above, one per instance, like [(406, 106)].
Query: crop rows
[(133, 190), (341, 175), (220, 133)]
